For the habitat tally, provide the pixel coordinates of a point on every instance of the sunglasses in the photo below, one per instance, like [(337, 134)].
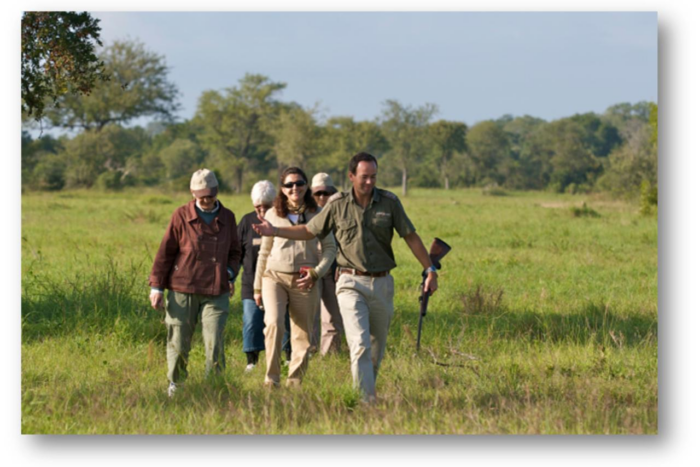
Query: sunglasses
[(322, 193), (299, 183)]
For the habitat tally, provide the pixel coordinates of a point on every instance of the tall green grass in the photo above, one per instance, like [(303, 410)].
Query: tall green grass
[(545, 322)]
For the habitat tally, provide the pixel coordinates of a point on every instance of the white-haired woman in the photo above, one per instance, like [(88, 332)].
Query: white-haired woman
[(262, 195)]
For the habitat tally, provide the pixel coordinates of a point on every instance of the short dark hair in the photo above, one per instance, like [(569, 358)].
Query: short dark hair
[(280, 202), (361, 157)]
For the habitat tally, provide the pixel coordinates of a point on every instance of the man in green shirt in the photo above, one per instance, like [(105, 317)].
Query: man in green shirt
[(363, 221)]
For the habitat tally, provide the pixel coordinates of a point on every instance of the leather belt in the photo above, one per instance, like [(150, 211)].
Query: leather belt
[(355, 272)]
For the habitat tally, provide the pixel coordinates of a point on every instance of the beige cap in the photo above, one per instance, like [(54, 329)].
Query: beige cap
[(204, 183), (322, 182)]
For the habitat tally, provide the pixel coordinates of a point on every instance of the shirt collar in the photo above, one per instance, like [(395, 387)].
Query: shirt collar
[(216, 207), (192, 211), (375, 197)]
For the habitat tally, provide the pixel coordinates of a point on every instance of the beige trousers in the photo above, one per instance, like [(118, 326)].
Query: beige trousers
[(279, 291), (367, 305)]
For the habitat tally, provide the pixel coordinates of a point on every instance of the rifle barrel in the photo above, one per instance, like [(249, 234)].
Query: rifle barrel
[(423, 310)]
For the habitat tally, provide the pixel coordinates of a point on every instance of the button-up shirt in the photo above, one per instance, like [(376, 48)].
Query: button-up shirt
[(194, 256), (363, 235)]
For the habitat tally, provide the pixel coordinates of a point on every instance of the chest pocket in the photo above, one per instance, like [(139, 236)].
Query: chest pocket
[(347, 230), (381, 219)]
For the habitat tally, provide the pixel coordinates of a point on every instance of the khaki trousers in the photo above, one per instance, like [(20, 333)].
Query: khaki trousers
[(182, 310), (327, 320), (366, 305), (279, 291)]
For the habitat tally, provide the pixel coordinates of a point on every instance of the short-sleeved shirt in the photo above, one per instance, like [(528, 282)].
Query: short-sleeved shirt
[(363, 235)]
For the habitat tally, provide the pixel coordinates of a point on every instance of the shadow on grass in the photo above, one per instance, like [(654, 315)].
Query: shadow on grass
[(590, 323)]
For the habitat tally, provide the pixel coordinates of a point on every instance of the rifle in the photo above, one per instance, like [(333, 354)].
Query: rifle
[(438, 250)]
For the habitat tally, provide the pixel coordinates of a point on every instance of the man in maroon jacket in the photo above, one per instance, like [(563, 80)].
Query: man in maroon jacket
[(197, 262)]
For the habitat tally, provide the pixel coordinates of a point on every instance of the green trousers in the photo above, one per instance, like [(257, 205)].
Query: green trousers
[(182, 311)]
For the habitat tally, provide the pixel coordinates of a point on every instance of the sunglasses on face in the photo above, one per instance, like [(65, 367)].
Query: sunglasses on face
[(322, 193), (299, 183)]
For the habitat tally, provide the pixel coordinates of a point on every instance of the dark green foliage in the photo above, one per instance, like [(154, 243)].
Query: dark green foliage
[(109, 181), (450, 141), (138, 87), (40, 166), (58, 57), (49, 174), (489, 149), (492, 189), (246, 134), (600, 137), (649, 198), (237, 127), (406, 131), (584, 211), (93, 152)]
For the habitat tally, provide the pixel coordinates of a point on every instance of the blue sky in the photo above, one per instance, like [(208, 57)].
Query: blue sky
[(474, 66)]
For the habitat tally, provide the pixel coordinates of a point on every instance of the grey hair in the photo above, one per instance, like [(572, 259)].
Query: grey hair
[(263, 192)]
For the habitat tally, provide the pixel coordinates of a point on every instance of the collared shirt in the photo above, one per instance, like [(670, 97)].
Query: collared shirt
[(363, 235)]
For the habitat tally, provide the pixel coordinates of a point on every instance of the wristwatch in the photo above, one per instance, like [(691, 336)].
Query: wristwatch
[(431, 269)]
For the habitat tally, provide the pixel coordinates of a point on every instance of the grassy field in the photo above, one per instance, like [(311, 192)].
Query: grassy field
[(545, 322)]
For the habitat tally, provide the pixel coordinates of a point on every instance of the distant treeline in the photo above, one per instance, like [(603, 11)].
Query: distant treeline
[(246, 133)]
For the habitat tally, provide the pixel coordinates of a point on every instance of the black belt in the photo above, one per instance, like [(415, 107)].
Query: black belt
[(355, 272)]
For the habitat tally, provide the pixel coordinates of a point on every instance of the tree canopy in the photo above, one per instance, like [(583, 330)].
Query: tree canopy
[(237, 123), (58, 57), (138, 87), (405, 128)]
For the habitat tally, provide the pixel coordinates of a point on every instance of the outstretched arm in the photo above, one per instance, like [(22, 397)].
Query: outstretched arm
[(296, 232), (415, 243)]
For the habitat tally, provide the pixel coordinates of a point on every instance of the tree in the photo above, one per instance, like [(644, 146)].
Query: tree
[(92, 153), (629, 165), (58, 57), (296, 138), (41, 167), (450, 139), (654, 123), (405, 129), (600, 137), (236, 124), (488, 148), (343, 137), (180, 159), (573, 163), (138, 87), (619, 115), (522, 170)]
